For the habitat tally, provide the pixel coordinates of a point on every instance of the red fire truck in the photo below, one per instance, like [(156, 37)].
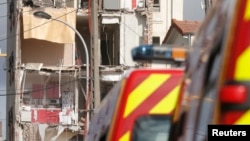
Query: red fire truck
[(140, 107), (217, 73)]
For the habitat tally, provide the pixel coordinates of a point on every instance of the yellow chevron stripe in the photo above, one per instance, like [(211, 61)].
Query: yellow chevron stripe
[(143, 91), (245, 119), (247, 11), (168, 103), (242, 66), (125, 137)]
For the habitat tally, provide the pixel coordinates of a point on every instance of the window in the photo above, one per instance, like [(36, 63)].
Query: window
[(156, 5), (152, 128), (156, 40), (84, 4)]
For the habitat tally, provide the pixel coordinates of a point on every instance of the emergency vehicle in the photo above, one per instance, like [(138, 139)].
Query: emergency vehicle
[(141, 105), (217, 73)]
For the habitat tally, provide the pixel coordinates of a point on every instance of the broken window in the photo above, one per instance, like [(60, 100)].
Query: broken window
[(156, 40), (156, 5)]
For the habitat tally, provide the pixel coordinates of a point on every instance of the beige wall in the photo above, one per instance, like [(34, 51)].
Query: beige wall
[(48, 53)]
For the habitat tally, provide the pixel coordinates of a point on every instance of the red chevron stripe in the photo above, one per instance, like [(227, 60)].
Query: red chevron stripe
[(150, 102), (242, 33), (231, 117)]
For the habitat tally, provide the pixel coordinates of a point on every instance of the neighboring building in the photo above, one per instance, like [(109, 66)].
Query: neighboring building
[(164, 11), (46, 62), (181, 32), (181, 35)]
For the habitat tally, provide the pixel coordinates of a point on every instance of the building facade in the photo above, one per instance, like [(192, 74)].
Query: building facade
[(181, 32), (47, 65), (163, 13), (45, 73)]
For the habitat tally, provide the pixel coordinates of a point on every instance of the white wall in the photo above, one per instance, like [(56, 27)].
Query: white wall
[(126, 4), (131, 35), (169, 9), (192, 39), (160, 20), (177, 9)]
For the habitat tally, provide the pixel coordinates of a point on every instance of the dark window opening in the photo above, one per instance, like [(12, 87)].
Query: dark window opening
[(152, 128), (105, 53), (156, 3), (84, 4), (109, 44), (156, 40)]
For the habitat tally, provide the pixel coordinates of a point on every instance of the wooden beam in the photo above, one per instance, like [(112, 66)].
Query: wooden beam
[(3, 55)]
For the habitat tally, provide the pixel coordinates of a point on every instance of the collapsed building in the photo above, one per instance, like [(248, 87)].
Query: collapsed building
[(47, 70)]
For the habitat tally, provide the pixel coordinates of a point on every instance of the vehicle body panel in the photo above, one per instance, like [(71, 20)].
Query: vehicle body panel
[(219, 58), (141, 92)]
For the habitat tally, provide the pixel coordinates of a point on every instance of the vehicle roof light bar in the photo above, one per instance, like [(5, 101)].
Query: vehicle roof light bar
[(164, 52)]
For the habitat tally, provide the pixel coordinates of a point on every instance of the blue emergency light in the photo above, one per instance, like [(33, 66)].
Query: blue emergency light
[(153, 52)]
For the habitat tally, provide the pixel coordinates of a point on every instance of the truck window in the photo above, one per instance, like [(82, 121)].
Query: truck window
[(152, 128)]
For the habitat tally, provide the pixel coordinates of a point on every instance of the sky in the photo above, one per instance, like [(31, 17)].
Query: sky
[(3, 23), (192, 10)]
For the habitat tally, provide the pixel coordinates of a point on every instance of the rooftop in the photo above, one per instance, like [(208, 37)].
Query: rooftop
[(183, 27)]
